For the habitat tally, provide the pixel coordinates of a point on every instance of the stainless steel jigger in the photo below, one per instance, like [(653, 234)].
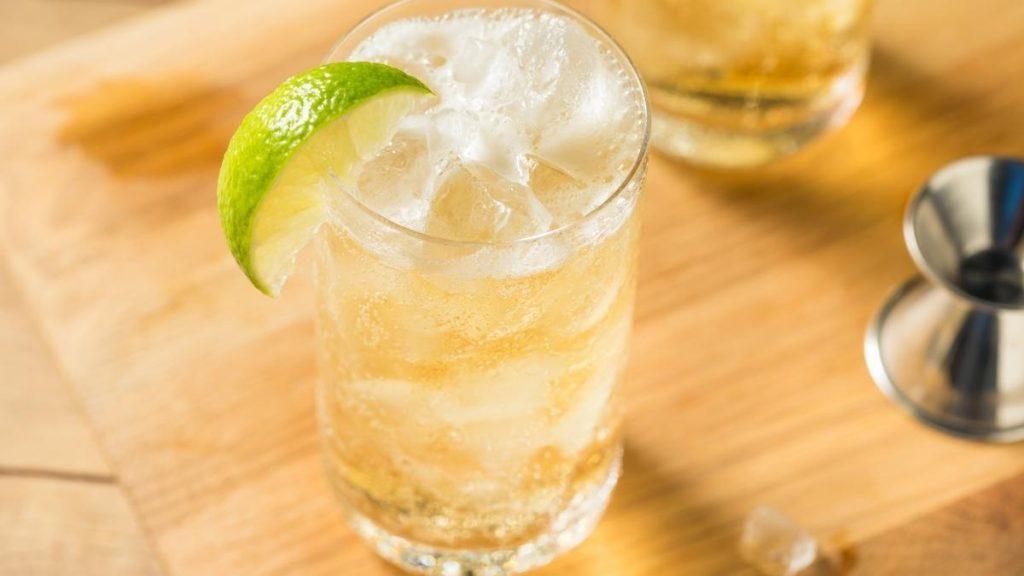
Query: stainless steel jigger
[(949, 345)]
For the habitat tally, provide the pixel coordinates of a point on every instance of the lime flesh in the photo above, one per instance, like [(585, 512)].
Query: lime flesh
[(273, 183)]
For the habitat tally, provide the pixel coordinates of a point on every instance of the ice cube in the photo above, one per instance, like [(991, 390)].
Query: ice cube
[(514, 392), (396, 182), (588, 110), (475, 204), (540, 48), (777, 546), (585, 133), (486, 71), (511, 85), (581, 415), (495, 415), (421, 51), (480, 137), (565, 197), (472, 63)]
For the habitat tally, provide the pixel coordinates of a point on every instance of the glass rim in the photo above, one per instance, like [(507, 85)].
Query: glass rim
[(635, 168)]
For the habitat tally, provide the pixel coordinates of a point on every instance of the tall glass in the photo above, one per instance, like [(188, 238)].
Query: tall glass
[(743, 82), (467, 400)]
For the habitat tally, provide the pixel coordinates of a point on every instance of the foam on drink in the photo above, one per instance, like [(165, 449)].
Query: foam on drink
[(535, 126)]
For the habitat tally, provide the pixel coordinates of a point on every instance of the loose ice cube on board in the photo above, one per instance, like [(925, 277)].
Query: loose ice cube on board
[(777, 546)]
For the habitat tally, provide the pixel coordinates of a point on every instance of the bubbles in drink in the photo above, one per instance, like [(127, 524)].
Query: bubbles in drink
[(468, 378)]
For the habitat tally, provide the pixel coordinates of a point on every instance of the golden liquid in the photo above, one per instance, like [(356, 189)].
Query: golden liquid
[(746, 66), (463, 409)]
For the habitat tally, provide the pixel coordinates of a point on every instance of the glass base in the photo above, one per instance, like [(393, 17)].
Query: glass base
[(729, 148), (567, 531)]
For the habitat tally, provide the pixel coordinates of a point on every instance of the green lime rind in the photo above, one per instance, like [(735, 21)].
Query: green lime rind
[(273, 131)]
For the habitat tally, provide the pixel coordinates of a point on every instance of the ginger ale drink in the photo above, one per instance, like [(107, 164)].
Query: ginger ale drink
[(475, 288)]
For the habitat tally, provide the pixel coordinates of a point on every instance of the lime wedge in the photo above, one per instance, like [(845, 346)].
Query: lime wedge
[(273, 184)]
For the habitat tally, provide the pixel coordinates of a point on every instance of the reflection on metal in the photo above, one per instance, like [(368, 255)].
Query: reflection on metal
[(949, 345)]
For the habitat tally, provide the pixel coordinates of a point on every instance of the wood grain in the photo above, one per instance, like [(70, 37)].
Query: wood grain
[(979, 535), (41, 428), (27, 26), (747, 384), (56, 527), (61, 511), (60, 507)]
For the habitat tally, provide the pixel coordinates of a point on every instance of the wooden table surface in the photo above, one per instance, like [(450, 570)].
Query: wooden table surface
[(156, 412)]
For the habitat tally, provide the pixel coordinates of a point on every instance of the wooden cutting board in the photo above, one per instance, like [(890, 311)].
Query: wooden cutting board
[(747, 384)]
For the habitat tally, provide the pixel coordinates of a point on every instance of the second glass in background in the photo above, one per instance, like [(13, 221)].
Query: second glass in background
[(743, 82)]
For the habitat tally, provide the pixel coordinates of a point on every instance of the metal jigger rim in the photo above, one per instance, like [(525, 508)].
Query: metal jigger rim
[(914, 248)]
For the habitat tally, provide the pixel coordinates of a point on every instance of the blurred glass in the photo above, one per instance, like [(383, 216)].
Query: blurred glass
[(743, 82)]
